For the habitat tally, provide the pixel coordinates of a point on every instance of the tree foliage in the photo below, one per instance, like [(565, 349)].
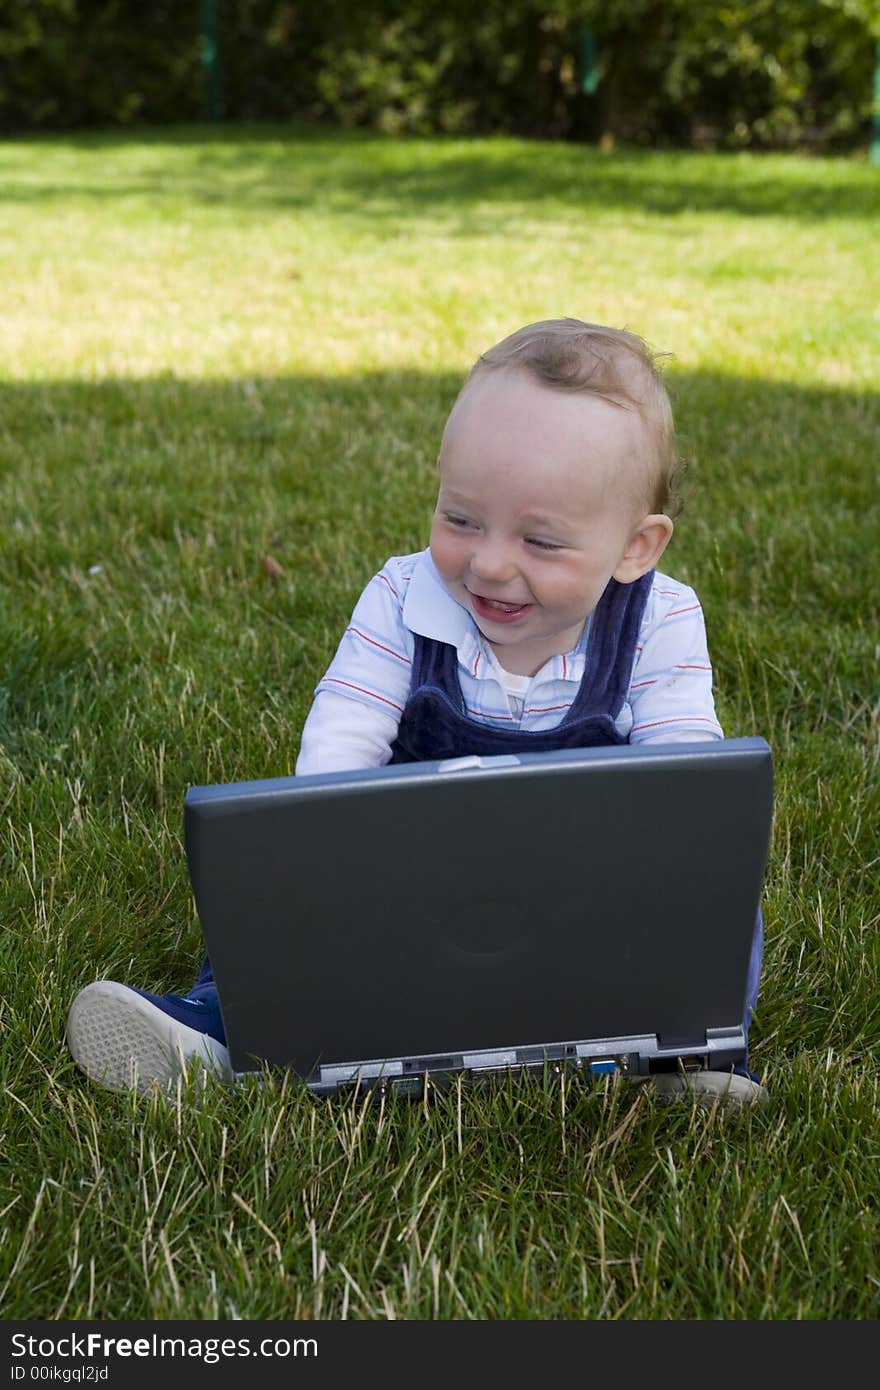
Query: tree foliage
[(738, 73)]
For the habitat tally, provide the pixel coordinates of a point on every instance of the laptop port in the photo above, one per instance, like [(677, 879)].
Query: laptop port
[(408, 1085), (692, 1062)]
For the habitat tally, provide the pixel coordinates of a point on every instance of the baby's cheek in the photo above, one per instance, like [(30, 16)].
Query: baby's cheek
[(446, 556)]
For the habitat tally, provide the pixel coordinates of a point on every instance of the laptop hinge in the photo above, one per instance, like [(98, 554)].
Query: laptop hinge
[(734, 1035), (487, 1061), (639, 1043), (339, 1075)]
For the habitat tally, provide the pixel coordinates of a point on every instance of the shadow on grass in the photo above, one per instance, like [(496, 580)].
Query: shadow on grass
[(776, 430), (766, 457), (362, 174), (182, 487)]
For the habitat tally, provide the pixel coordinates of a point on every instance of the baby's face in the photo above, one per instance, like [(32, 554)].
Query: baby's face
[(538, 508)]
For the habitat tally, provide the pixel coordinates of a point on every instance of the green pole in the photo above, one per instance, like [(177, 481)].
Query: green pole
[(211, 58), (875, 124), (589, 63)]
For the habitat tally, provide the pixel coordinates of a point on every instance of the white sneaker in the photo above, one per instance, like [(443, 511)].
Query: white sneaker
[(123, 1039), (707, 1088)]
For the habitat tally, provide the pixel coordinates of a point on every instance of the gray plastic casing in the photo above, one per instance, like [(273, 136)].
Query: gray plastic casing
[(584, 907)]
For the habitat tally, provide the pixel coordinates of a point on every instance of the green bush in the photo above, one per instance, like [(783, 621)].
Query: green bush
[(742, 73), (70, 63)]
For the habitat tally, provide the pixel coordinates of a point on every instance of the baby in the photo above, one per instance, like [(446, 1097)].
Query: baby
[(535, 620)]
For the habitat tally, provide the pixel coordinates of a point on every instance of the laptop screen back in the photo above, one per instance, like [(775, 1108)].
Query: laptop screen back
[(503, 902)]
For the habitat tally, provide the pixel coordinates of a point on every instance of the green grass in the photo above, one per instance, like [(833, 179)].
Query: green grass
[(220, 345)]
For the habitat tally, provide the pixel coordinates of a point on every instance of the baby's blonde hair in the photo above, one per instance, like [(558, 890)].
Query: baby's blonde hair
[(611, 363)]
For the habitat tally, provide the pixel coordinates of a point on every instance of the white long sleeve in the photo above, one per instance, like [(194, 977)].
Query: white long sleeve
[(341, 735)]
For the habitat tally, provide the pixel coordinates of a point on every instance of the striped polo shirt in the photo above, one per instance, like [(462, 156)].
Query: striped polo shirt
[(358, 703)]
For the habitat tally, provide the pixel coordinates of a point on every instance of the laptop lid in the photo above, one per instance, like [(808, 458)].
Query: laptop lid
[(430, 916)]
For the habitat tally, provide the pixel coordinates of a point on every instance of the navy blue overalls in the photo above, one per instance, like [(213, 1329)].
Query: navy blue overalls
[(435, 725)]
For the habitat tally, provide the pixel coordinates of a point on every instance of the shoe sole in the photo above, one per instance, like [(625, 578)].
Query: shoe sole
[(123, 1042), (707, 1088)]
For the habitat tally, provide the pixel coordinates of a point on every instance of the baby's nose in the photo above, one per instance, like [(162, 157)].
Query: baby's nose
[(492, 560)]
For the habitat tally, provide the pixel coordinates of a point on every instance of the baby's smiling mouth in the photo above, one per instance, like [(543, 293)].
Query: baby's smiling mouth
[(499, 603), (486, 607)]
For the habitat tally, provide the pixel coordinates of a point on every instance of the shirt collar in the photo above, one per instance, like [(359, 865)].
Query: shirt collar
[(430, 610)]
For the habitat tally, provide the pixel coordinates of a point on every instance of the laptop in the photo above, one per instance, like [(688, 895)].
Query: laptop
[(591, 908)]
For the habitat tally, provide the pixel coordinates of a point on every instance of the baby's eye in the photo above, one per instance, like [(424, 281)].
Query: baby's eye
[(542, 545), (455, 520)]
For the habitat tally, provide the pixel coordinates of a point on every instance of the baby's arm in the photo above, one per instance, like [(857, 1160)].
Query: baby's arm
[(339, 735), (671, 690), (354, 718)]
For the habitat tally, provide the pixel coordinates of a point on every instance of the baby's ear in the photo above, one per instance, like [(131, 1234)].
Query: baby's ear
[(644, 548)]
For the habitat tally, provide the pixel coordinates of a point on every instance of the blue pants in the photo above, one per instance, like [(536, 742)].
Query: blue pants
[(754, 977)]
